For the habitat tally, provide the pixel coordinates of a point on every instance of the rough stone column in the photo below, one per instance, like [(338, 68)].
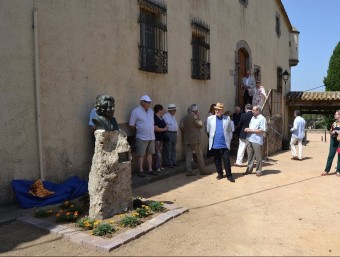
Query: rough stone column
[(110, 177)]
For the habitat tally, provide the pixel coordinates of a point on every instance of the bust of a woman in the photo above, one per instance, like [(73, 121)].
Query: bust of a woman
[(105, 108)]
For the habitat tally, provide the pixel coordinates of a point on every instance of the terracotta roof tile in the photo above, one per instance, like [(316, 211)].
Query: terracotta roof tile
[(313, 96)]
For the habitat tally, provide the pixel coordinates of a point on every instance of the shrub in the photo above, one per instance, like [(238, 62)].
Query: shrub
[(144, 211), (85, 223), (102, 229), (43, 213), (66, 216), (156, 206), (131, 220), (71, 207), (66, 205)]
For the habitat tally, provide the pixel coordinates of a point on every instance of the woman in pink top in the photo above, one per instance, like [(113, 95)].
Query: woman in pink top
[(259, 94)]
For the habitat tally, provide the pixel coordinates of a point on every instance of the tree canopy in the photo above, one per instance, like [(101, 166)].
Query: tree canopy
[(332, 81)]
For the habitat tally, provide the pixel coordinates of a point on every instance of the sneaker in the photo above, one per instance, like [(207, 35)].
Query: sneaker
[(162, 168), (159, 170)]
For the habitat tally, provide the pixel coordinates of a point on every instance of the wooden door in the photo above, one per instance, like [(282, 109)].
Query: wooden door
[(242, 58)]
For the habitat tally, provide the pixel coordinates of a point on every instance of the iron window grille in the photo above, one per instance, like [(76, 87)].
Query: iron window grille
[(153, 53), (200, 62)]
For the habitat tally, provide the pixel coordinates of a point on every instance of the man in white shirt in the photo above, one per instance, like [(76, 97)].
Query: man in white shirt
[(170, 146), (256, 130), (142, 120), (248, 84), (298, 133)]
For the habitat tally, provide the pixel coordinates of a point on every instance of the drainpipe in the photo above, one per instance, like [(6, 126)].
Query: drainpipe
[(37, 90)]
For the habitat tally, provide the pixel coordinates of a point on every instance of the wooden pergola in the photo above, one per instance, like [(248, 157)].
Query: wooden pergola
[(313, 102)]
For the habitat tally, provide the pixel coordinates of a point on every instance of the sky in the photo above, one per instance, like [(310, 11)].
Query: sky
[(318, 22)]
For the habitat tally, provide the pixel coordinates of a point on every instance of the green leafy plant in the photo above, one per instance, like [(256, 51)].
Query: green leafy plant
[(85, 223), (66, 205), (43, 213), (131, 220), (102, 229), (332, 81), (66, 216), (156, 206), (144, 211)]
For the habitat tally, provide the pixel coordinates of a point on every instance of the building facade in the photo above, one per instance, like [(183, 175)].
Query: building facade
[(58, 55)]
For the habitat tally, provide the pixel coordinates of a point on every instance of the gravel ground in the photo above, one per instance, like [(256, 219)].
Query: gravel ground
[(289, 210)]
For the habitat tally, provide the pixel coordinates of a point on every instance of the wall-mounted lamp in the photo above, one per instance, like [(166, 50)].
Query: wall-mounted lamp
[(285, 76), (285, 145)]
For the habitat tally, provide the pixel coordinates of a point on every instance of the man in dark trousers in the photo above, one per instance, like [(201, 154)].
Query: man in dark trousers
[(243, 141)]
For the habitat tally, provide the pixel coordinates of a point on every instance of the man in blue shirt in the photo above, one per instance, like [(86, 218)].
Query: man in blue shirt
[(220, 135)]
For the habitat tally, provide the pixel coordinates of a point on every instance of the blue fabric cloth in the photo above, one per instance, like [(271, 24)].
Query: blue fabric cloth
[(219, 139), (68, 190)]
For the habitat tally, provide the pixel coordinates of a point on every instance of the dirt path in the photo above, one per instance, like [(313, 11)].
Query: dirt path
[(290, 210)]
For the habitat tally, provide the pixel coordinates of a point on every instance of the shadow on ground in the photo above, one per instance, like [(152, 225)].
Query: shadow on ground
[(16, 234)]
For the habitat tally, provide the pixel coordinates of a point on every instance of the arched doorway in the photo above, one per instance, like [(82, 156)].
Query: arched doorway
[(242, 58), (243, 62)]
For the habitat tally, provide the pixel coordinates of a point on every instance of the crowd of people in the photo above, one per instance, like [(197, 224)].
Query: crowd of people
[(156, 136)]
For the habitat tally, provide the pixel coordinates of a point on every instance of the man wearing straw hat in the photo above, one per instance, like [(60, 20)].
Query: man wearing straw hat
[(220, 134), (170, 146)]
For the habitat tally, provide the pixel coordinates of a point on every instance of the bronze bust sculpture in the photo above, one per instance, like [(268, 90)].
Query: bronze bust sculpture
[(105, 108)]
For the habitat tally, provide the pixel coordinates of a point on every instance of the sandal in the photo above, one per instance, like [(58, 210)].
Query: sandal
[(338, 174), (324, 173)]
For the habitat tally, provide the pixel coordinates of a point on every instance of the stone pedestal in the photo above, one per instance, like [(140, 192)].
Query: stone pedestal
[(110, 177)]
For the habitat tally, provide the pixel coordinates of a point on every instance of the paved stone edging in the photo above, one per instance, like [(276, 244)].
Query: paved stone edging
[(97, 243)]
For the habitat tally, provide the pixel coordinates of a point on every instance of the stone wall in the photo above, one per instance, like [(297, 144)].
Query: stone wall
[(110, 177)]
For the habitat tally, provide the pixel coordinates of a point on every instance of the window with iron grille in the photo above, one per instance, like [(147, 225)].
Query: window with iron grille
[(200, 62), (153, 54)]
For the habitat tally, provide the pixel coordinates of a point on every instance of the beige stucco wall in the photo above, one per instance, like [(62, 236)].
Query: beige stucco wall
[(89, 47), (18, 148)]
